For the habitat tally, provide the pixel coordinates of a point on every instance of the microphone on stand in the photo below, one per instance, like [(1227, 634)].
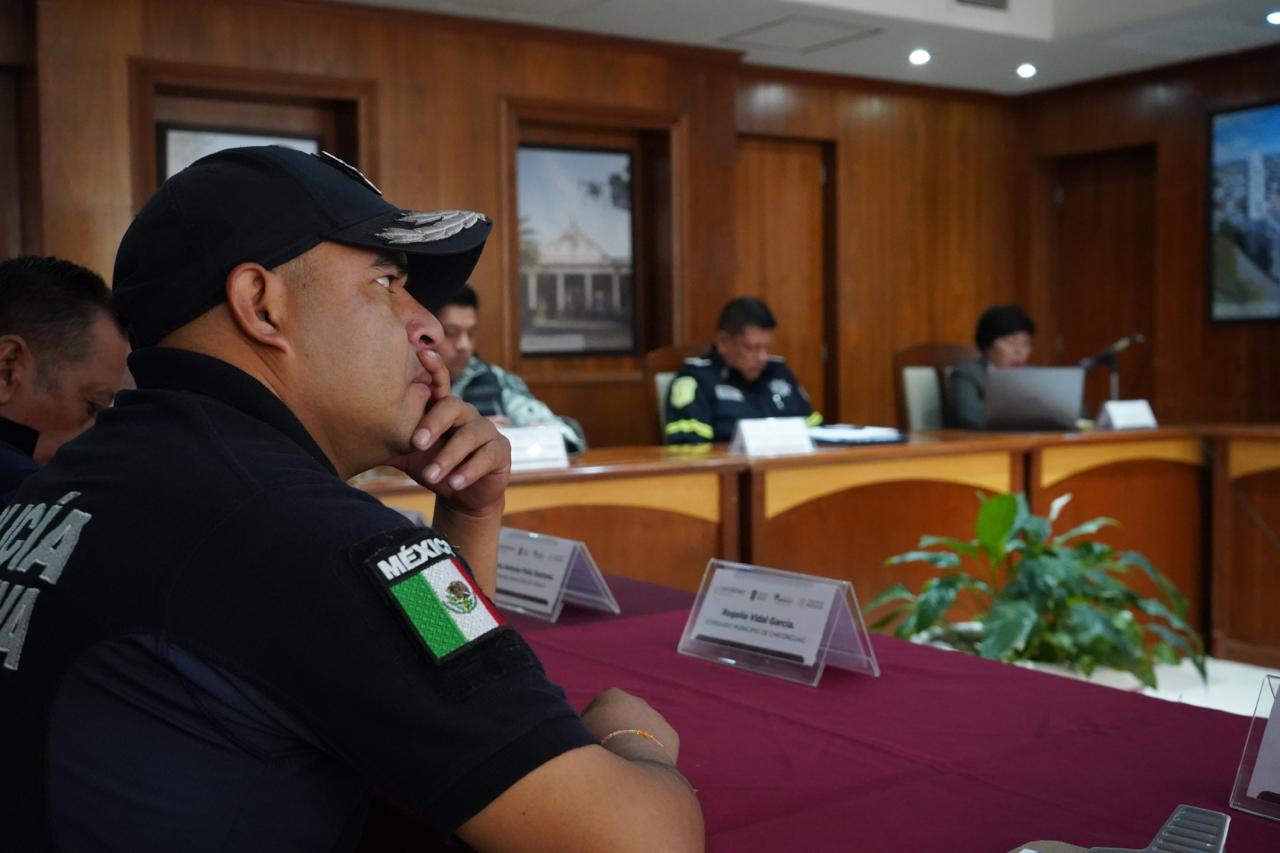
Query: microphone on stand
[(1109, 353)]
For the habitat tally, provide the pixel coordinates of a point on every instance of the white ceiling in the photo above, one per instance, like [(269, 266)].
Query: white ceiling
[(972, 47)]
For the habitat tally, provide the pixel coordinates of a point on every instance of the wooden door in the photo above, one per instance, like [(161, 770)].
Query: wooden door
[(780, 212), (1104, 267), (10, 166)]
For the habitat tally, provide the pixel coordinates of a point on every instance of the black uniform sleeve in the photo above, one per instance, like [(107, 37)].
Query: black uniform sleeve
[(325, 601), (689, 410)]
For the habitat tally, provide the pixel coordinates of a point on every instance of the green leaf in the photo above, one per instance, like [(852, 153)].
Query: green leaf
[(1092, 552), (1104, 640), (1009, 625), (1036, 528), (937, 559), (1153, 607), (933, 602), (1177, 641), (969, 549), (1175, 598), (1145, 671), (897, 592), (995, 525), (1087, 529), (1165, 653), (1024, 513)]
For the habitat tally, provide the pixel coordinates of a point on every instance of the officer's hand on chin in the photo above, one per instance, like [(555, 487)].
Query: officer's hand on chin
[(458, 454)]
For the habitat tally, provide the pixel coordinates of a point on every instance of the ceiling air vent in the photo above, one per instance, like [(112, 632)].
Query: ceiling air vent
[(998, 5)]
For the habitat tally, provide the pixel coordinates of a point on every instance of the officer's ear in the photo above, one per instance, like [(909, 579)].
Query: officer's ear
[(257, 300), (17, 366)]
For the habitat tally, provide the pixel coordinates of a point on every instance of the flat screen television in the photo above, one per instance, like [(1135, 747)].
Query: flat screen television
[(1244, 214)]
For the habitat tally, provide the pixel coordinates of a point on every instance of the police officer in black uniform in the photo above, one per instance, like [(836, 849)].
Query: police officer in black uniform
[(210, 642), (62, 360), (737, 378)]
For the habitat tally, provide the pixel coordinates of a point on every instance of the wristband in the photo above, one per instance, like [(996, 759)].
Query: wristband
[(641, 732)]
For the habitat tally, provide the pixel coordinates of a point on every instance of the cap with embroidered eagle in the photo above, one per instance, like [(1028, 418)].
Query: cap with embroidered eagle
[(269, 204)]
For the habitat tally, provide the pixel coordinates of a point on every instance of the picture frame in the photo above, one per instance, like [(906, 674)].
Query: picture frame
[(576, 284), (178, 145), (1243, 214)]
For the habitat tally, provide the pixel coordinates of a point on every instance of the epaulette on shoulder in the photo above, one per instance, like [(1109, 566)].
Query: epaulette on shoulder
[(697, 361), (777, 359)]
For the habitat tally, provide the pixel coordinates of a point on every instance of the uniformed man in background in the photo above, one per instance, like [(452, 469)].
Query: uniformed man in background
[(496, 393), (736, 379), (62, 355)]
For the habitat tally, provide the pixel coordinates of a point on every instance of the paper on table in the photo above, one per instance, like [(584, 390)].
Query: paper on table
[(847, 433)]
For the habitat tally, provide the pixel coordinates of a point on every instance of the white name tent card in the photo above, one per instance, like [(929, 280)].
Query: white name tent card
[(777, 623), (537, 574), (771, 437), (1257, 787), (1127, 414), (536, 448)]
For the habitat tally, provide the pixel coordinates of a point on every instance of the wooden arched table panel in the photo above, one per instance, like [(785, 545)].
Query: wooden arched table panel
[(1154, 483), (1246, 544), (650, 513), (652, 545), (842, 513)]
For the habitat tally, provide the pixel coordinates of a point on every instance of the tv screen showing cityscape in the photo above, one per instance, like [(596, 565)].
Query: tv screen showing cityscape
[(1244, 214)]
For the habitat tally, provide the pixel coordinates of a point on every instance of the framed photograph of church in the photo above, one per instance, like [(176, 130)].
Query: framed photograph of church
[(576, 288), (1244, 214)]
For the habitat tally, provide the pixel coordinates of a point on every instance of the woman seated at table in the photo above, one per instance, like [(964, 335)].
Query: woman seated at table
[(1004, 337)]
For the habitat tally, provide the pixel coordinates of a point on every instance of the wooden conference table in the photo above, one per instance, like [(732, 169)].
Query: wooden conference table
[(659, 514), (943, 752), (653, 513), (1245, 545)]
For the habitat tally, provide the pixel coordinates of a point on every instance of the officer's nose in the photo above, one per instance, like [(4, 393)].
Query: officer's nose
[(424, 330)]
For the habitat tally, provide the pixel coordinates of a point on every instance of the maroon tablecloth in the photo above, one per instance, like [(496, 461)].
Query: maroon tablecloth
[(943, 752)]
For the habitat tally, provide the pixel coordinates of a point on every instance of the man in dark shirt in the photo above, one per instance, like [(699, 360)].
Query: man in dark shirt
[(210, 642), (736, 379), (62, 360)]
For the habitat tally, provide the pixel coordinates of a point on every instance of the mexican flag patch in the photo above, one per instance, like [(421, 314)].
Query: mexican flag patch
[(437, 596)]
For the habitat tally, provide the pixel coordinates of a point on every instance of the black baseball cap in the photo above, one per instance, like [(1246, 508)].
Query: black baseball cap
[(269, 204)]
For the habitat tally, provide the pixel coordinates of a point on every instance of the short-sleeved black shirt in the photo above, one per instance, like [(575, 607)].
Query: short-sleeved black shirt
[(198, 650)]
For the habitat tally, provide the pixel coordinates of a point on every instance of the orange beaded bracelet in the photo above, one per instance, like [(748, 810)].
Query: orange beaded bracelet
[(641, 732)]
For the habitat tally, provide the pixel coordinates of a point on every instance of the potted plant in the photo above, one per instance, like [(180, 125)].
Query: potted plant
[(1039, 597)]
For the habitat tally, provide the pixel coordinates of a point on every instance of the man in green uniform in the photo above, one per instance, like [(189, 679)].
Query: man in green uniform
[(497, 394)]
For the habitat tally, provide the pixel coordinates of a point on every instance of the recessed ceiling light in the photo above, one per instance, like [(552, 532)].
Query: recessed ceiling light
[(919, 56), (1026, 70), (1274, 18)]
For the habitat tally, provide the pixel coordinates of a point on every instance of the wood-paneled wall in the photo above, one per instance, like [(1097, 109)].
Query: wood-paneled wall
[(924, 219), (939, 200), (441, 85), (1203, 372)]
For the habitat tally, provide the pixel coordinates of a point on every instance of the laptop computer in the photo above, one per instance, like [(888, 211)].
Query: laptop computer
[(1034, 398)]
